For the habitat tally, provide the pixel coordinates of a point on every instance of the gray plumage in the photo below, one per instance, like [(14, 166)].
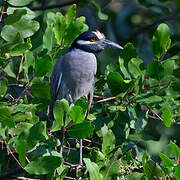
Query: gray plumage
[(73, 74)]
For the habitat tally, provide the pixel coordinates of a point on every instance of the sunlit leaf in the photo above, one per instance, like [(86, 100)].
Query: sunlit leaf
[(161, 40), (43, 165), (93, 169)]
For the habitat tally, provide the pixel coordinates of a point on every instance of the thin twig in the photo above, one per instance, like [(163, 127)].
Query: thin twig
[(62, 140), (106, 99), (20, 65), (2, 11)]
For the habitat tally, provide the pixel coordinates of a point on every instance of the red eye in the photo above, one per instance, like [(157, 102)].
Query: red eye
[(93, 40)]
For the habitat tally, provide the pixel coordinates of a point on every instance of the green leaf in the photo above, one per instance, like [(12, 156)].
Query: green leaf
[(155, 70), (101, 15), (111, 169), (135, 176), (168, 66), (29, 14), (71, 14), (128, 52), (81, 131), (109, 141), (161, 40), (177, 172), (21, 148), (28, 62), (59, 28), (117, 84), (178, 3), (175, 149), (43, 165), (3, 86), (77, 114), (43, 65), (9, 69), (136, 67), (41, 89), (20, 48), (19, 2), (149, 99), (6, 118), (15, 17), (33, 135), (25, 27), (151, 169), (166, 160), (167, 116), (93, 169), (83, 103), (74, 30), (49, 40), (61, 114)]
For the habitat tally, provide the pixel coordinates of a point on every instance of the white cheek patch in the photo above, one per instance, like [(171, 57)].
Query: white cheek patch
[(83, 42)]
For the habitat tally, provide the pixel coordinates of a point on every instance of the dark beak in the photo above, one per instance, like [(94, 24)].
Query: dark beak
[(109, 44)]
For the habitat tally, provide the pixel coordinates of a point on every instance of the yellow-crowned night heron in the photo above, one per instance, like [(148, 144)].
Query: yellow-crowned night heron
[(73, 73)]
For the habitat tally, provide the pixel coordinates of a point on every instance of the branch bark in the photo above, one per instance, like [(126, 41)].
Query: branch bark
[(43, 8)]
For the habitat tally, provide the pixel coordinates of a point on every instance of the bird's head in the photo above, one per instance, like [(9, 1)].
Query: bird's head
[(93, 42)]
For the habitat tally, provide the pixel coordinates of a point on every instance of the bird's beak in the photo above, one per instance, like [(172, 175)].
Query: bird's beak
[(110, 44)]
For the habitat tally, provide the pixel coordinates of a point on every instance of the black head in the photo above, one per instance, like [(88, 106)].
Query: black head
[(93, 42)]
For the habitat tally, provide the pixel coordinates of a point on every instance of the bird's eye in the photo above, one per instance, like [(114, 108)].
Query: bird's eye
[(93, 39)]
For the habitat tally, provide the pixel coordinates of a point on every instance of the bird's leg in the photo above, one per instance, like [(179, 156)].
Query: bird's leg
[(80, 152)]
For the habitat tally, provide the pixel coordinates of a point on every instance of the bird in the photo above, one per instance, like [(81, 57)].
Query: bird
[(73, 73)]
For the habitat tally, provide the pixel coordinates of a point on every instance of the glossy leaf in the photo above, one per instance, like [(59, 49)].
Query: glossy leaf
[(24, 27), (136, 67), (83, 103), (77, 114), (161, 40), (108, 142), (3, 86), (15, 17), (81, 131), (29, 61), (111, 169), (43, 165), (117, 84), (59, 28), (20, 48), (19, 2), (71, 14), (166, 160), (177, 172), (93, 169), (43, 65), (61, 114), (33, 135), (167, 116), (5, 117), (175, 149), (41, 89), (21, 148), (155, 70), (148, 100)]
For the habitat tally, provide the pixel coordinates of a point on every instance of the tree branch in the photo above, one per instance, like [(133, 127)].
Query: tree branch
[(43, 8)]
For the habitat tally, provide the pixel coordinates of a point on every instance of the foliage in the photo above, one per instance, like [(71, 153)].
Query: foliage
[(130, 133)]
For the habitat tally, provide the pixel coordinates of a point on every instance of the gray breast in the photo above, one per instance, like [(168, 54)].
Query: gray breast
[(74, 74)]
